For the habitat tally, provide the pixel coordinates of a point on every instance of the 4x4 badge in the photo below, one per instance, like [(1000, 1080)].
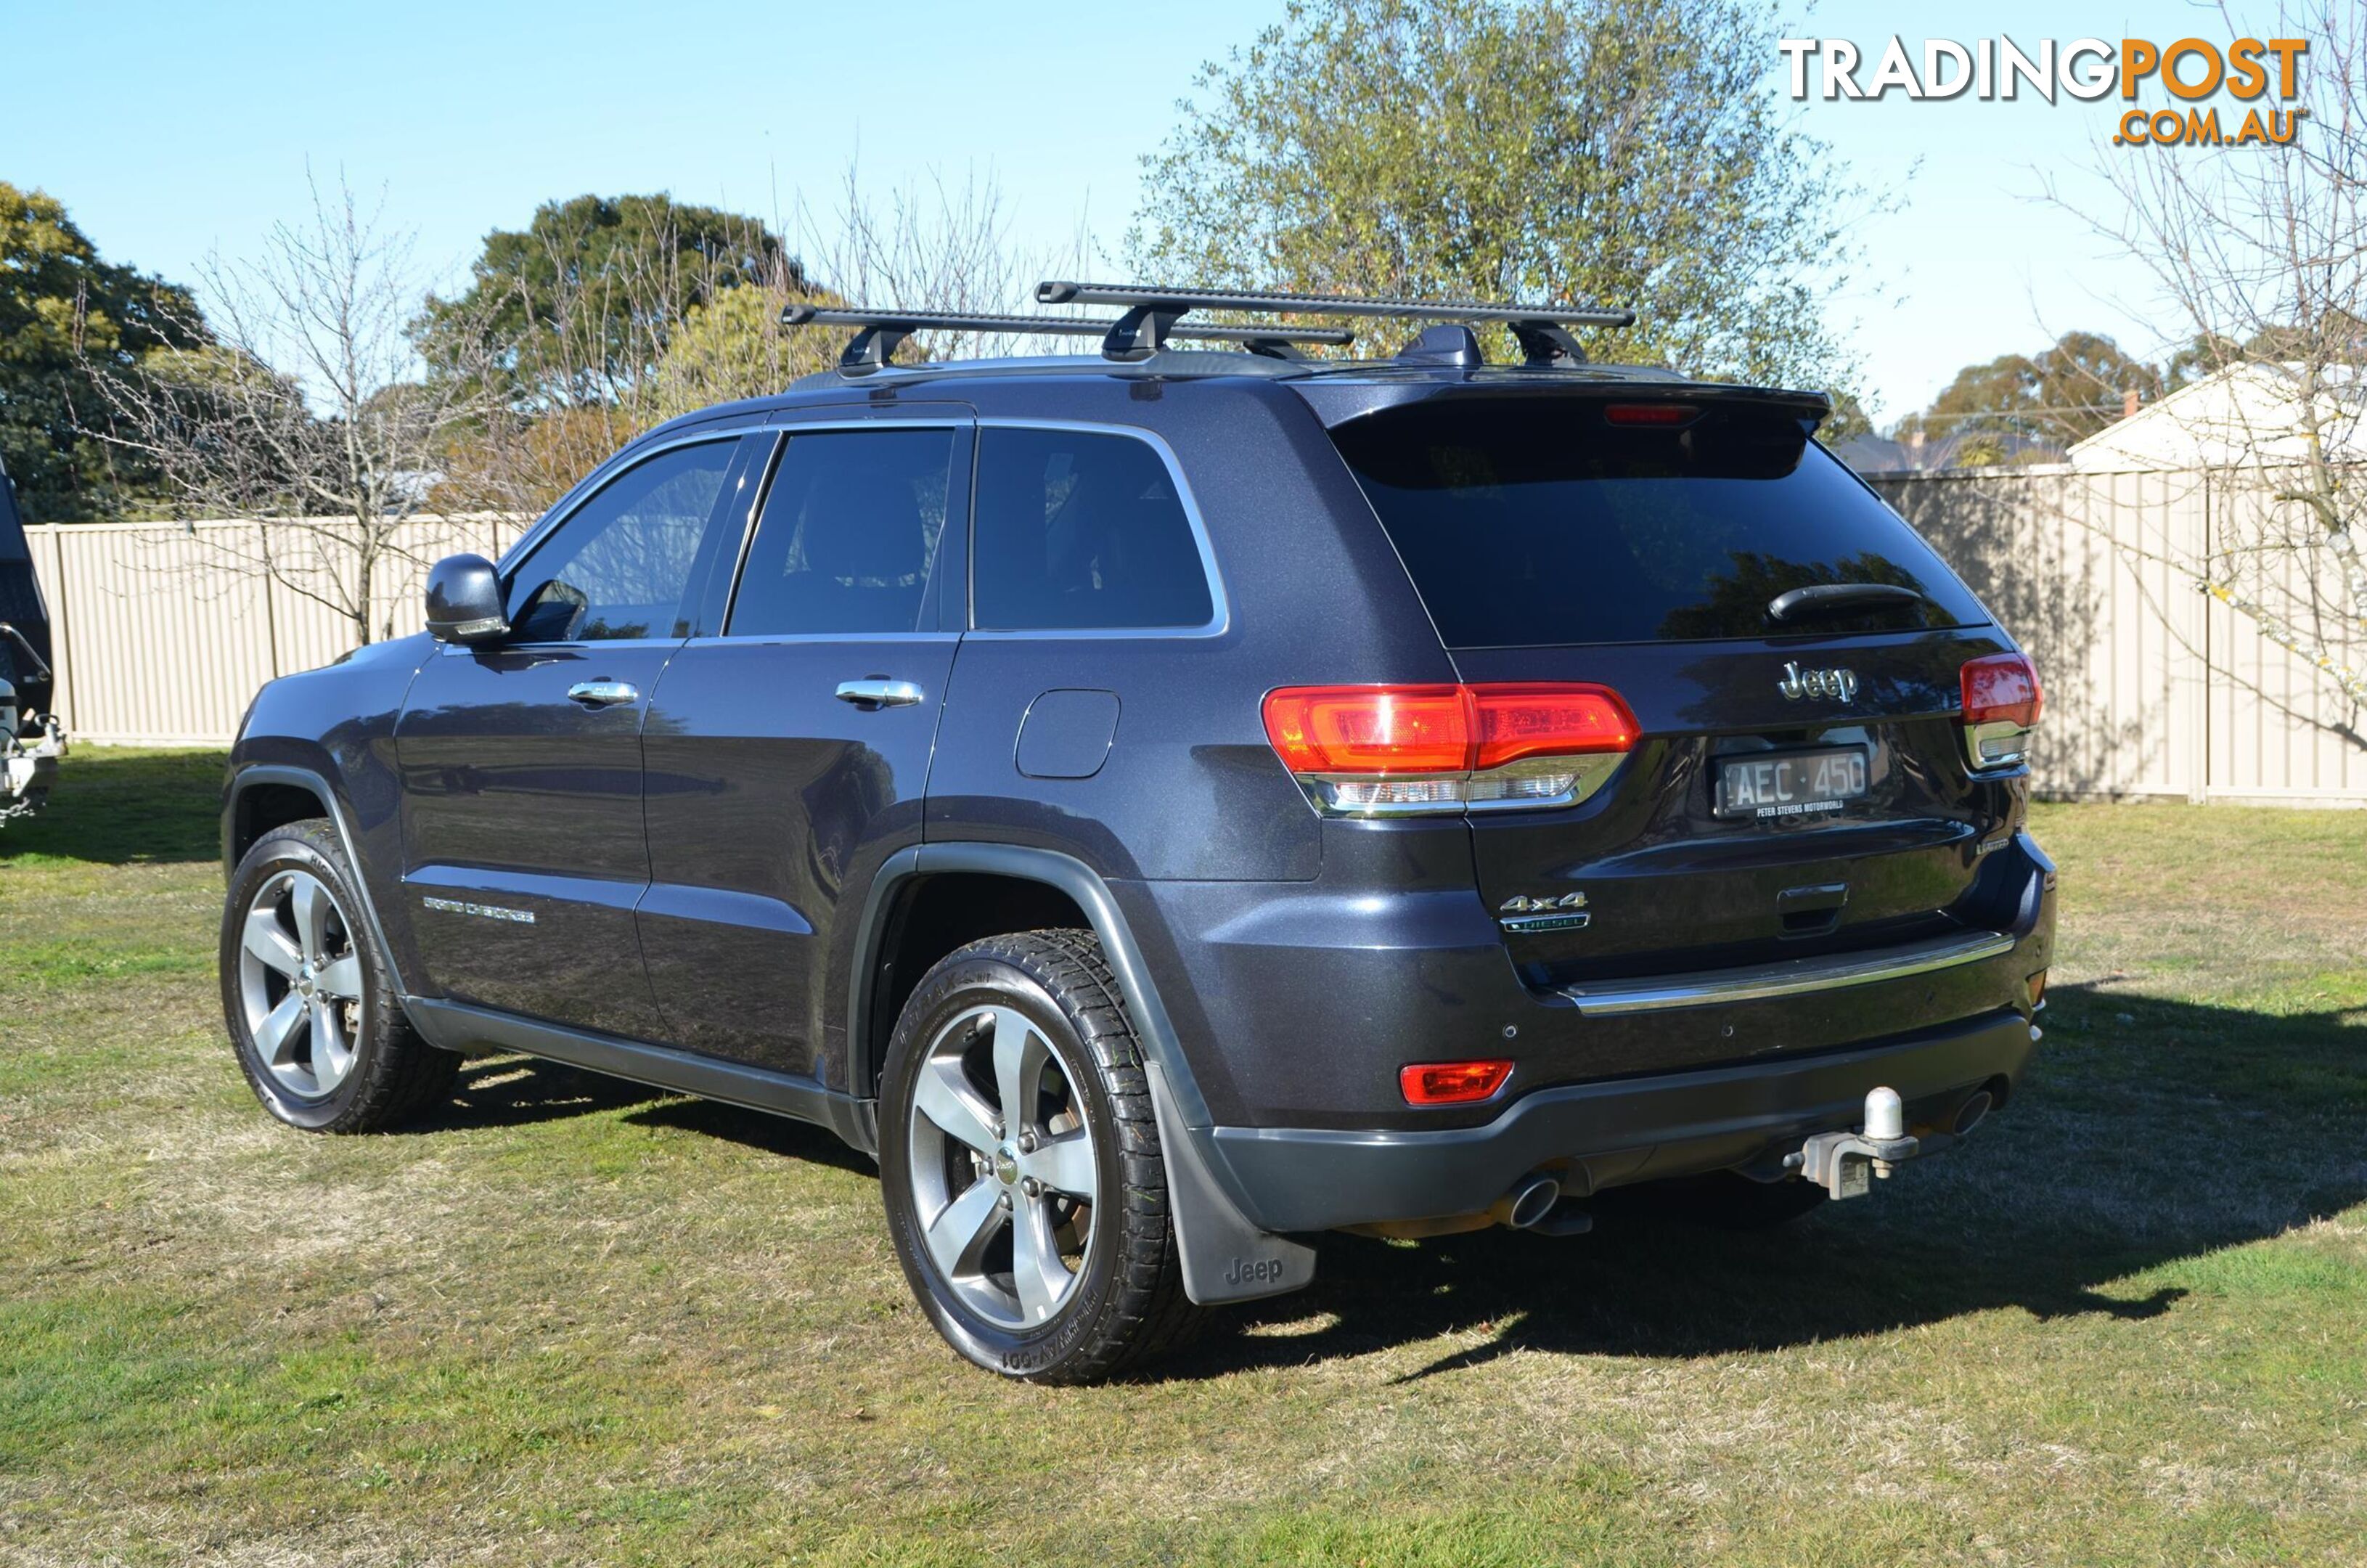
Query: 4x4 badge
[(1798, 683), (1520, 913)]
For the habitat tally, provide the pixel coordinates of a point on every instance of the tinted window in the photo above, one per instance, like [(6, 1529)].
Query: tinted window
[(1539, 521), (849, 531), (618, 565), (1079, 530)]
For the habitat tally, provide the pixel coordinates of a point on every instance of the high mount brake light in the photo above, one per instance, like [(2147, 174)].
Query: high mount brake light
[(1391, 750), (1452, 1083), (2003, 700), (1659, 415)]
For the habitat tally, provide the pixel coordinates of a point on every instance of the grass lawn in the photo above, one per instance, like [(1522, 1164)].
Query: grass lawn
[(572, 1320)]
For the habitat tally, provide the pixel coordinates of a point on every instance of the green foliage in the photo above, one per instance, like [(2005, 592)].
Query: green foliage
[(579, 306), (2062, 395), (65, 315), (1623, 151)]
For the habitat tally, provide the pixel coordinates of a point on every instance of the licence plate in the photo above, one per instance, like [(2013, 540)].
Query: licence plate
[(1790, 783)]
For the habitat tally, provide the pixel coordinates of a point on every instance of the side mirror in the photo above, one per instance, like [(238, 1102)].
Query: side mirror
[(464, 601)]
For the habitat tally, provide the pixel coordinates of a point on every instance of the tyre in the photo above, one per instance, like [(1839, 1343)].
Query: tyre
[(1020, 1164), (311, 999)]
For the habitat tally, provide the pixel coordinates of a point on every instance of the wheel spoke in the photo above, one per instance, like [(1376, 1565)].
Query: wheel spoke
[(945, 1096), (309, 904), (267, 942), (331, 1053), (1019, 1056), (1041, 1278), (343, 979), (1065, 1164), (961, 1229), (275, 1037)]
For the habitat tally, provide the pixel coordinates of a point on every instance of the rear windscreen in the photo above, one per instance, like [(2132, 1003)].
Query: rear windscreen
[(1537, 520)]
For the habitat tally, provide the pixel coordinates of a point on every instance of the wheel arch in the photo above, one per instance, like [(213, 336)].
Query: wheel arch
[(1077, 885), (264, 796), (1225, 1257)]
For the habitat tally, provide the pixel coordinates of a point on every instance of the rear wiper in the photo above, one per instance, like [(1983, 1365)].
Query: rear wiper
[(1825, 597)]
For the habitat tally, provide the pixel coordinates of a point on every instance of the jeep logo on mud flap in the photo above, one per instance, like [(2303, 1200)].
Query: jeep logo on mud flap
[(1798, 683), (1254, 1271)]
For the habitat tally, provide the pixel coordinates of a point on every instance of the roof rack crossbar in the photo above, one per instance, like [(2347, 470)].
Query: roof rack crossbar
[(1152, 314), (880, 332)]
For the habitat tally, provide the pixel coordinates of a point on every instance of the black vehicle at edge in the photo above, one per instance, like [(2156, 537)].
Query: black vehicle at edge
[(1167, 804)]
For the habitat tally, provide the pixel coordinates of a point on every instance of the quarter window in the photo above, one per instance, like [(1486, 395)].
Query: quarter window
[(618, 565), (848, 535), (1082, 530)]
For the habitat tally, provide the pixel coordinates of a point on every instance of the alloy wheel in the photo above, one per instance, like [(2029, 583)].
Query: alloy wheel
[(1002, 1167), (301, 984)]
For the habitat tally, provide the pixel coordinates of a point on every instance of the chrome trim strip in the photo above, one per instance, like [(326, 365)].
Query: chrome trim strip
[(1217, 625), (1792, 977)]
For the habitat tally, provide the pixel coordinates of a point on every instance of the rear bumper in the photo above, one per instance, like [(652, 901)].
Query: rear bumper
[(1606, 1134)]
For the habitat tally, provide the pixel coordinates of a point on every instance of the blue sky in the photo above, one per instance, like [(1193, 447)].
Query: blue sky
[(196, 136)]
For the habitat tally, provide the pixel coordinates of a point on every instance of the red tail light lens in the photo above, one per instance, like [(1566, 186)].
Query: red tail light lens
[(1516, 721), (1370, 729), (1452, 1083), (2001, 704), (2001, 686), (1370, 750)]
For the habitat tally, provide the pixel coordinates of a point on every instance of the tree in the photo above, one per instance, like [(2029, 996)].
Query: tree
[(1615, 151), (2262, 251), (607, 330), (63, 312), (577, 309), (2059, 395), (332, 455)]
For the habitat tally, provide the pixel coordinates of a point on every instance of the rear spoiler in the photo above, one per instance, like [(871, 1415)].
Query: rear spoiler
[(1337, 400)]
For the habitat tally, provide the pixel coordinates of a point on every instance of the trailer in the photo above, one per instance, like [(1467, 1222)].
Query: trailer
[(33, 738)]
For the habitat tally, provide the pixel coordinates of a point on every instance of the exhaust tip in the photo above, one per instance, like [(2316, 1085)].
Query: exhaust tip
[(1529, 1201), (1972, 1112)]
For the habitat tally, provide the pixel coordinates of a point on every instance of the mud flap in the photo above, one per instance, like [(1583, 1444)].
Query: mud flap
[(1225, 1257)]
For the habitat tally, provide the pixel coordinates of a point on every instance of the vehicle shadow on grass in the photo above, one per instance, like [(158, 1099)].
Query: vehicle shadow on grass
[(513, 1091), (2152, 1131)]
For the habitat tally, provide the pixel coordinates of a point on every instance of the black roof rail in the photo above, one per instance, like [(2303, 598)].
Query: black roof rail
[(1152, 313), (874, 344)]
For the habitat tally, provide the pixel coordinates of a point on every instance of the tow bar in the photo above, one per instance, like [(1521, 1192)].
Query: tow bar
[(1845, 1164)]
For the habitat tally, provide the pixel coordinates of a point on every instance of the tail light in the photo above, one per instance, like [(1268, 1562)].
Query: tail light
[(2001, 704), (1452, 1083), (1396, 750)]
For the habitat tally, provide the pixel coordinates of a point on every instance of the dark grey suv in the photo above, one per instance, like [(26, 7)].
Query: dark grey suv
[(1170, 804)]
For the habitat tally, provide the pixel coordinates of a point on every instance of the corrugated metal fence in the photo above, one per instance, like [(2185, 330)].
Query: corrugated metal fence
[(2152, 686), (163, 632), (2152, 689)]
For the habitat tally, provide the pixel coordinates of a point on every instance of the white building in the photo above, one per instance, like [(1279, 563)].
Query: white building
[(2242, 416)]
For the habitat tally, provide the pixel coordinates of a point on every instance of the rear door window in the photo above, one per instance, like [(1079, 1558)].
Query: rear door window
[(1536, 520), (1082, 530)]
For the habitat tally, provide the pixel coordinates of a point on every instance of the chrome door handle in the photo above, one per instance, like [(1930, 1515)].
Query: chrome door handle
[(603, 693), (877, 694)]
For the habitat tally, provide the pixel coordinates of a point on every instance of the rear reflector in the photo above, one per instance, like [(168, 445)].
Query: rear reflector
[(1663, 415), (1452, 1083), (1370, 750)]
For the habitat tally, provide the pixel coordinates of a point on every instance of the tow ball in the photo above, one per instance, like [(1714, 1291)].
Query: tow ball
[(1845, 1164)]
